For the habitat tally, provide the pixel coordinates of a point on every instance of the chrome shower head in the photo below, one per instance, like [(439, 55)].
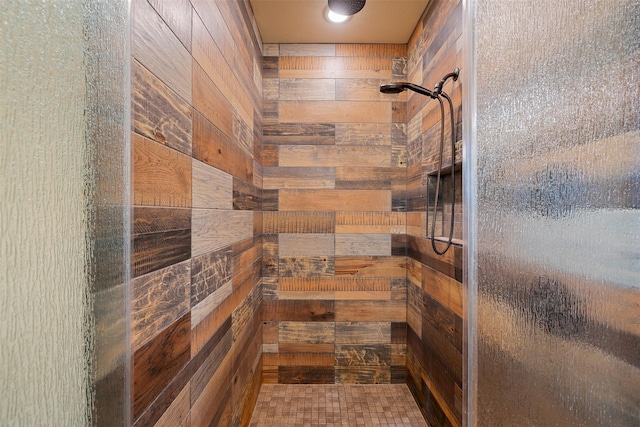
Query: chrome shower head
[(397, 87)]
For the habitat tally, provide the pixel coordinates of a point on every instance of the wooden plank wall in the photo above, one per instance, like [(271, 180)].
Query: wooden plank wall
[(197, 185), (434, 288), (334, 263)]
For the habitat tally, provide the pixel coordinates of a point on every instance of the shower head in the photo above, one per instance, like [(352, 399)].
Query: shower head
[(397, 87), (346, 7)]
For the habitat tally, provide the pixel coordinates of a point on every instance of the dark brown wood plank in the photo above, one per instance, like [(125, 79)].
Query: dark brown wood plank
[(363, 375), (208, 273), (157, 362), (363, 355), (246, 196), (305, 375), (306, 311)]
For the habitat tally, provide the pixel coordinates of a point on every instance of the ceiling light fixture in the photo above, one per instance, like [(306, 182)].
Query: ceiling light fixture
[(334, 17), (346, 7)]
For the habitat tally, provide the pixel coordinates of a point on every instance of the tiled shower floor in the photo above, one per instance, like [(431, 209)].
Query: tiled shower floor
[(301, 405)]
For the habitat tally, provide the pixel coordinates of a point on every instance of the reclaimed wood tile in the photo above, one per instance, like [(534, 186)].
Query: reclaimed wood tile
[(203, 413), (363, 244), (362, 90), (370, 178), (158, 361), (306, 375), (317, 266), (246, 196), (399, 289), (210, 102), (362, 134), (299, 178), (210, 323), (398, 333), (158, 112), (370, 222), (177, 15), (209, 272), (178, 412), (211, 187), (370, 266), (271, 49), (242, 132), (399, 112), (270, 66), (334, 284), (363, 375), (162, 237), (296, 347), (335, 200), (246, 253), (161, 176), (371, 49), (328, 156), (442, 349), (159, 50), (307, 49), (363, 332), (214, 229), (334, 112), (445, 321), (209, 303), (269, 256), (363, 355), (299, 133), (319, 67), (240, 318), (414, 307), (370, 311), (308, 90), (299, 222), (444, 289), (306, 311), (213, 147), (157, 300), (399, 68), (270, 200), (306, 332), (300, 359), (222, 346), (271, 89), (306, 244), (398, 355)]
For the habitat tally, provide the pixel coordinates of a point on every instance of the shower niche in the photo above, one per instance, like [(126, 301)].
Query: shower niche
[(439, 215)]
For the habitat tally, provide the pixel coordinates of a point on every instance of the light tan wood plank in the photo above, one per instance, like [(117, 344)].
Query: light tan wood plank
[(298, 222), (161, 176), (214, 229), (389, 50), (306, 244), (335, 74), (363, 90), (363, 244), (299, 178), (159, 50), (271, 89), (371, 311), (335, 200), (444, 289), (334, 284), (363, 266), (332, 156), (307, 90), (177, 412), (212, 188), (334, 112), (210, 101), (307, 49)]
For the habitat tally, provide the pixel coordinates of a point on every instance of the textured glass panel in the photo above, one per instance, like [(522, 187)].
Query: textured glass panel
[(63, 186), (555, 259)]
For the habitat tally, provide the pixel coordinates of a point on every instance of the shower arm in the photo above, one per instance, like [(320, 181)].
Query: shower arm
[(437, 90)]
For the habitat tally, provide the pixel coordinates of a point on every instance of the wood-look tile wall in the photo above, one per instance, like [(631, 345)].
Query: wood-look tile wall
[(434, 288), (197, 186), (334, 262)]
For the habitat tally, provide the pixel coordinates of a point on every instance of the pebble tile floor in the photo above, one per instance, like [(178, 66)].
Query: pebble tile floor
[(352, 405)]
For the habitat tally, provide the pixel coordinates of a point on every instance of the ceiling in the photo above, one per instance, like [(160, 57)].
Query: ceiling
[(302, 21)]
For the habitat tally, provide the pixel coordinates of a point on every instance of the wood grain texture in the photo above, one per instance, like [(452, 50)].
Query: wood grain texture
[(306, 244), (335, 200), (345, 284), (158, 112), (385, 50), (307, 49), (368, 266), (208, 304), (334, 67), (211, 187), (306, 375), (371, 177), (159, 50), (210, 102), (363, 375), (245, 253), (221, 347), (212, 146), (307, 90), (317, 266), (363, 244), (270, 66), (363, 355), (299, 178), (161, 176), (363, 332), (299, 222), (178, 412), (271, 89), (370, 222), (444, 289), (328, 156), (370, 311), (157, 300), (306, 332), (209, 272), (299, 359), (362, 90), (306, 311), (246, 196), (362, 134), (158, 361), (177, 15), (334, 112), (162, 237), (215, 229), (299, 133)]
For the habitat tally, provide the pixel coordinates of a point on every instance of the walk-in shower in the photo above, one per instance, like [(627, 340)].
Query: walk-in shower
[(439, 94)]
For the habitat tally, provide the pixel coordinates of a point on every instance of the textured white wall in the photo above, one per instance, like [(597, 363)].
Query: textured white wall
[(43, 378)]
